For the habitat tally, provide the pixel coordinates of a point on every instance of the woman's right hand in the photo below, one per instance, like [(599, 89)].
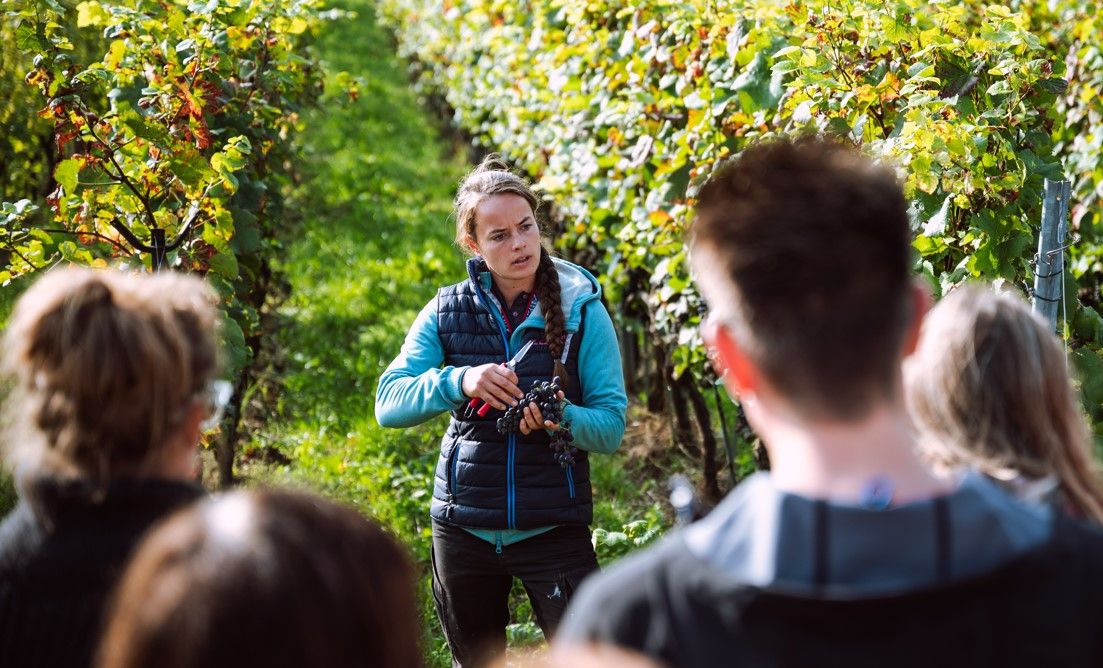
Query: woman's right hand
[(496, 384)]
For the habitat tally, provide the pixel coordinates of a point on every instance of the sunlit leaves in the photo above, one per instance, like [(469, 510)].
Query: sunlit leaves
[(92, 13), (179, 117), (621, 111)]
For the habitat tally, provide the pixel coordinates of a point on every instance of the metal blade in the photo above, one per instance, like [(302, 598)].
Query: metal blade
[(520, 354)]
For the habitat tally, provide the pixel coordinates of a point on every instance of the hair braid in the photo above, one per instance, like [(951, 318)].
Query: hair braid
[(555, 325)]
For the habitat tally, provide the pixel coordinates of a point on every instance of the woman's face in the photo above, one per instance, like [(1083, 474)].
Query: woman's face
[(507, 237)]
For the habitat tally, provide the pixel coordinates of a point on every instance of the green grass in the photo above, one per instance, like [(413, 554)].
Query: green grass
[(374, 247), (8, 294)]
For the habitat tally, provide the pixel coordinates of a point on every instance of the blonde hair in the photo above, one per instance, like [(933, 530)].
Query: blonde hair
[(492, 177), (989, 388), (103, 367)]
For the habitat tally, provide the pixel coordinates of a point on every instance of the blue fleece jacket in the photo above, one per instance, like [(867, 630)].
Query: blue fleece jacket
[(764, 537)]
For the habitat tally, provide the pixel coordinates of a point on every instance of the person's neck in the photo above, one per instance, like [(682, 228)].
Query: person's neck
[(509, 289), (837, 461)]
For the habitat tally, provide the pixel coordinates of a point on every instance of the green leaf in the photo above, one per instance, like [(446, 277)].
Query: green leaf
[(224, 264), (189, 170), (1087, 325), (233, 343), (1089, 370), (66, 174), (1054, 85), (247, 238), (929, 245), (937, 223), (92, 14), (149, 130)]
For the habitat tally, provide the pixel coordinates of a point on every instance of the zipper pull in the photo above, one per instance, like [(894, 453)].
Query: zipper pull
[(497, 542)]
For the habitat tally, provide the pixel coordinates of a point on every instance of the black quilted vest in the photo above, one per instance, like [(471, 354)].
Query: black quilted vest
[(485, 480)]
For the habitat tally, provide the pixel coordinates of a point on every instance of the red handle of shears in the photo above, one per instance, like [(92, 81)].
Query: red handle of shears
[(483, 410)]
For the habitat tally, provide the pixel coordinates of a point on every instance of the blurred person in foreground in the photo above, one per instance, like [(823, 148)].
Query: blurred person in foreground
[(111, 379), (989, 390), (849, 552), (268, 578)]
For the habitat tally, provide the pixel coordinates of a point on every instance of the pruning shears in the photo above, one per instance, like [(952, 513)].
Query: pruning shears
[(511, 364)]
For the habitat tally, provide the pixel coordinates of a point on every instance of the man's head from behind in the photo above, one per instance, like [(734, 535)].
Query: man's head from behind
[(801, 248)]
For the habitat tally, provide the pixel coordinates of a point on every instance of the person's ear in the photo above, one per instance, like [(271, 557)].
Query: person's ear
[(193, 423), (471, 244), (737, 370), (180, 455), (920, 301)]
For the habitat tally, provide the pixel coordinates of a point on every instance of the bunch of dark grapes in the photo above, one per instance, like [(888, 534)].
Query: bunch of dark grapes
[(562, 444), (545, 396)]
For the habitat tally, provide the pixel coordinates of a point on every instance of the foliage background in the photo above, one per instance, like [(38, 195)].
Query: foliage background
[(140, 118), (325, 229), (621, 109), (378, 184), (361, 240)]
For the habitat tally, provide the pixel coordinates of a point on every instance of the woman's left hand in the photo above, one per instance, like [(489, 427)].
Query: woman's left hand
[(533, 419)]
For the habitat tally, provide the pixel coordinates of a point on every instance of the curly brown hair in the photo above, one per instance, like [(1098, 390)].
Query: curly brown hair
[(105, 365)]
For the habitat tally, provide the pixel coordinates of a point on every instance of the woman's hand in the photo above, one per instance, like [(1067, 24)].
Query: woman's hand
[(534, 420), (496, 384)]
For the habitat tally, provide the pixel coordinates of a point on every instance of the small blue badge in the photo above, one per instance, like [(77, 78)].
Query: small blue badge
[(877, 493)]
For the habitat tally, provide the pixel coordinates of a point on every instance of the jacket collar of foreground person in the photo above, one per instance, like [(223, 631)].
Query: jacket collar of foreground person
[(57, 502), (577, 286)]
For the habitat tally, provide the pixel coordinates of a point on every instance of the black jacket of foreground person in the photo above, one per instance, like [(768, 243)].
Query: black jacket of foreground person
[(1044, 608), (61, 552)]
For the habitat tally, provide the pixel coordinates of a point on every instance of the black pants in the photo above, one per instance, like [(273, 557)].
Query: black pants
[(471, 583)]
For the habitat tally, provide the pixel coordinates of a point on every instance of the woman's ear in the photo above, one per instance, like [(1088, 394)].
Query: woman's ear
[(470, 244), (178, 457)]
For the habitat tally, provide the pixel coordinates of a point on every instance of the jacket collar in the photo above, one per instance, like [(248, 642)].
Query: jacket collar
[(58, 501), (577, 288)]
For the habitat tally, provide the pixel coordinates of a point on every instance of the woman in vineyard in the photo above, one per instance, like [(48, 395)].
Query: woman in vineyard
[(988, 389), (511, 496), (112, 381)]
